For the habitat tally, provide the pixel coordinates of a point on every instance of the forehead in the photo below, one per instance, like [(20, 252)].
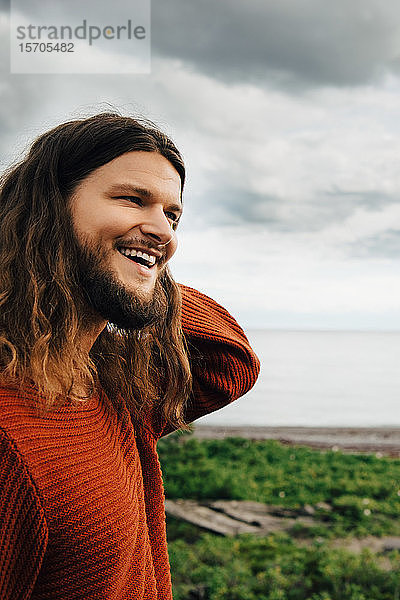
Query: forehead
[(148, 170)]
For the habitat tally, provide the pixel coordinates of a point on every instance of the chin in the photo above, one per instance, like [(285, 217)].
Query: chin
[(145, 287)]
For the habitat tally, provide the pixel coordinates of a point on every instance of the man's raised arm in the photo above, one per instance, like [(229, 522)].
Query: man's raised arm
[(224, 366)]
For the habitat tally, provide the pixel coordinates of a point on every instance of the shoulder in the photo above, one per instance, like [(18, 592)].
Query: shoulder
[(16, 408)]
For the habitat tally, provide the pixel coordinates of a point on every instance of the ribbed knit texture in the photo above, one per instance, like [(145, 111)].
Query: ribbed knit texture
[(81, 495)]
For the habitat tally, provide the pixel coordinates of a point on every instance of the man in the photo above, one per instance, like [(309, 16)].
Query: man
[(101, 353)]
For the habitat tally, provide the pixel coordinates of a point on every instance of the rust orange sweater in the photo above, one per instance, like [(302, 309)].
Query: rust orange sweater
[(81, 494)]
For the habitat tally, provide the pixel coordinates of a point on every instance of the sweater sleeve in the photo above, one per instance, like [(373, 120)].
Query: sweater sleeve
[(224, 367), (23, 529)]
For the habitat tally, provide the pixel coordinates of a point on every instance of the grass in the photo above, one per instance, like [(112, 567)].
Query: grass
[(275, 568), (363, 491)]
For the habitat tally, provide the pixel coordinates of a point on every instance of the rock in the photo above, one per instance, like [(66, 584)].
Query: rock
[(323, 506), (391, 543), (308, 509)]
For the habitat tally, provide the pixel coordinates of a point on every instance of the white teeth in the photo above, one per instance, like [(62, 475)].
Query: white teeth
[(128, 252), (131, 252)]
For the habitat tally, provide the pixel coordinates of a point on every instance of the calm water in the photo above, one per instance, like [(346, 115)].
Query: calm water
[(321, 378)]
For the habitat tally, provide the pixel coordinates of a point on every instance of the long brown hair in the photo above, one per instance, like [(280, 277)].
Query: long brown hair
[(39, 298)]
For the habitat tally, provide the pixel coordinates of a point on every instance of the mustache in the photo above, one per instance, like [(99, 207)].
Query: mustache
[(132, 241)]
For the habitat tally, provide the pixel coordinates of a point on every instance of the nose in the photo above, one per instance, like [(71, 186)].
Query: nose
[(157, 227)]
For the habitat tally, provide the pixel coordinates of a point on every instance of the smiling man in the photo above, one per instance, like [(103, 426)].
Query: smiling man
[(101, 353), (125, 214)]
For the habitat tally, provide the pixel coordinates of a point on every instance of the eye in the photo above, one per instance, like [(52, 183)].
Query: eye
[(133, 199)]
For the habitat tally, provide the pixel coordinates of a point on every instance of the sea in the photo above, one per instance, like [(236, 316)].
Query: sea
[(320, 378)]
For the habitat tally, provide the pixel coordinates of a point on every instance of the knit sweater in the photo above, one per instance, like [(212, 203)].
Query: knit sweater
[(81, 494)]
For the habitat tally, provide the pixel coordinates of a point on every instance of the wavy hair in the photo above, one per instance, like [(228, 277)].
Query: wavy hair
[(40, 300)]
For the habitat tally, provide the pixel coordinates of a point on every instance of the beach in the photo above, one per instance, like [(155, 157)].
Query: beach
[(380, 440)]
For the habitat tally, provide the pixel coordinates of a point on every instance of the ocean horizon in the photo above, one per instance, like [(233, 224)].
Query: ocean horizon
[(317, 378)]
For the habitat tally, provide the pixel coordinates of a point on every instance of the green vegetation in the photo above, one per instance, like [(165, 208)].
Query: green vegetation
[(363, 491), (274, 568)]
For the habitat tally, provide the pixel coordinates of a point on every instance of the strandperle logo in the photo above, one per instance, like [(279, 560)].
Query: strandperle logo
[(129, 31), (80, 37)]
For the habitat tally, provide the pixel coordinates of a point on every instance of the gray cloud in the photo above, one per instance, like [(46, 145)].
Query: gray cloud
[(232, 206), (292, 44), (20, 97), (288, 43), (384, 245), (224, 203), (370, 200), (228, 204)]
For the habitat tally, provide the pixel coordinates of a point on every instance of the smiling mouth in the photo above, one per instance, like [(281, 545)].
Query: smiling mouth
[(141, 258)]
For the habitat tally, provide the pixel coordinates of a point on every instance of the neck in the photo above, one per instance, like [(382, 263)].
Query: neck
[(89, 334), (92, 324), (91, 328)]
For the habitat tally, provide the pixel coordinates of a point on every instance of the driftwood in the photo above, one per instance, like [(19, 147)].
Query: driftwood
[(207, 518), (234, 517)]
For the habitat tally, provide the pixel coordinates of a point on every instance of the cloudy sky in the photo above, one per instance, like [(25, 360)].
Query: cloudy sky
[(288, 116)]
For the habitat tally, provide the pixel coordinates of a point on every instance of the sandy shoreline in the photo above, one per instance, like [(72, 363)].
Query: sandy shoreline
[(383, 440)]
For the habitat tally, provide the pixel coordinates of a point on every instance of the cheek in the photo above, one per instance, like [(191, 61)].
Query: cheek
[(98, 220), (107, 230)]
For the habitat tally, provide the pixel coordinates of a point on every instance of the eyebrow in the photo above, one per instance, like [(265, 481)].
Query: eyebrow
[(126, 189)]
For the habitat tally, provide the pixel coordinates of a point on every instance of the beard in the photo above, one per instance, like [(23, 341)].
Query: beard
[(110, 299)]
